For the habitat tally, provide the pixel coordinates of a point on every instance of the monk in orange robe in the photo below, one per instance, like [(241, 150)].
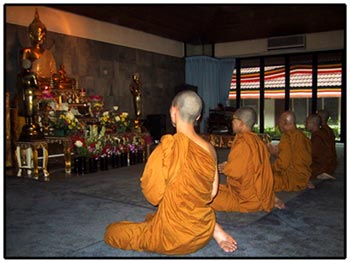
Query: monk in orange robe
[(322, 154), (292, 167), (181, 178), (324, 115), (249, 184)]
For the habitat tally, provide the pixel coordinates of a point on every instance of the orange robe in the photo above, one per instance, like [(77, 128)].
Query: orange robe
[(249, 184), (178, 177), (324, 156), (292, 168), (331, 143)]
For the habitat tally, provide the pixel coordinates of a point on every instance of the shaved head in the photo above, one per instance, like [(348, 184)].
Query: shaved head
[(189, 105), (315, 119), (287, 121), (324, 115), (247, 115), (288, 117)]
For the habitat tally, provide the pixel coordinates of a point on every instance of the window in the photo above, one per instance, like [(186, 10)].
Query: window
[(302, 83)]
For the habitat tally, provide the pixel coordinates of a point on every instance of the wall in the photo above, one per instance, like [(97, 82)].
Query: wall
[(75, 25), (103, 68), (330, 40)]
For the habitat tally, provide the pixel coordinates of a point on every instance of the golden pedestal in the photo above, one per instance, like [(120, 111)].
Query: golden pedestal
[(27, 157)]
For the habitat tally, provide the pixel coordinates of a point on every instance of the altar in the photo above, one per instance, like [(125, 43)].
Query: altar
[(49, 108)]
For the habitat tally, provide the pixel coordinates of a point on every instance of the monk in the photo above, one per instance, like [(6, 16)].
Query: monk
[(322, 154), (324, 115), (249, 184), (181, 178), (292, 167)]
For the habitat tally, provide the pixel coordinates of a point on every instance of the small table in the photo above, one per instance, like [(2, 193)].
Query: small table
[(31, 157), (66, 141)]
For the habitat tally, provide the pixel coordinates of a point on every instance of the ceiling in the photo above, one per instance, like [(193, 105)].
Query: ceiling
[(217, 23)]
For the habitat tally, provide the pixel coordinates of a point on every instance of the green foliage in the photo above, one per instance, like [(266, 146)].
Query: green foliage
[(273, 132)]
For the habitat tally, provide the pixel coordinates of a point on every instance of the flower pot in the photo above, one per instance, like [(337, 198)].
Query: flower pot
[(133, 158), (115, 160), (123, 159), (79, 165), (103, 163), (139, 156), (93, 163)]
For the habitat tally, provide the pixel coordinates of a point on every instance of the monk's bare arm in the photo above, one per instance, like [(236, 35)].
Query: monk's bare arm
[(216, 177)]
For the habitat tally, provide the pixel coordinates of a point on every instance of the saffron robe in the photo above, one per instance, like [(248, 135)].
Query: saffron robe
[(178, 177), (292, 168), (249, 184), (324, 157)]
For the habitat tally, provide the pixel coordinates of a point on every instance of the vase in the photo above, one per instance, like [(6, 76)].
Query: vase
[(123, 159), (115, 161), (103, 163), (80, 165), (139, 156), (93, 163), (133, 158)]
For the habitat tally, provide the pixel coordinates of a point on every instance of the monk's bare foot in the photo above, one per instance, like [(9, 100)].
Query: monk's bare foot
[(325, 176), (279, 203), (224, 240), (310, 185)]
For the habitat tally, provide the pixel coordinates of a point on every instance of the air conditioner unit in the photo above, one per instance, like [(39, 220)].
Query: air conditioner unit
[(282, 42)]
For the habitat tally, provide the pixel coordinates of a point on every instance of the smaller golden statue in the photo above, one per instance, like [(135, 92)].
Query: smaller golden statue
[(135, 89), (64, 82)]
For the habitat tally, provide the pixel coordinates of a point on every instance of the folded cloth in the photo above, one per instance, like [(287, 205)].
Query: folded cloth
[(325, 176)]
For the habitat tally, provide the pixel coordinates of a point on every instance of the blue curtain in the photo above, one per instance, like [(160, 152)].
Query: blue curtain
[(212, 76)]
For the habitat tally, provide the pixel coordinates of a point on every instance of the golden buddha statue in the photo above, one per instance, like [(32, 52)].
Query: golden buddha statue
[(37, 65), (27, 104), (43, 63)]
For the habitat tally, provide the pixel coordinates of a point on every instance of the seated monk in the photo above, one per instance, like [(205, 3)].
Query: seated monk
[(322, 154), (249, 185), (292, 167), (180, 178), (324, 115)]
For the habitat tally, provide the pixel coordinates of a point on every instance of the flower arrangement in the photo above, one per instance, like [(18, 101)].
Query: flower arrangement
[(65, 120), (80, 148), (115, 121), (46, 95), (96, 105), (94, 140)]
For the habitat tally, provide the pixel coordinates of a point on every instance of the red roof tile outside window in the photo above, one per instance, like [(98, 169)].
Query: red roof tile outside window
[(329, 81)]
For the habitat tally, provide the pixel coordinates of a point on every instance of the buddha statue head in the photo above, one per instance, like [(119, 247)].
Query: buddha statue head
[(42, 60), (37, 31)]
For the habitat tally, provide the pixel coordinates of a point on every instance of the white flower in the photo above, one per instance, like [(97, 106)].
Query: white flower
[(124, 115), (115, 108), (78, 143), (106, 113), (117, 118), (70, 115), (52, 104), (63, 107)]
